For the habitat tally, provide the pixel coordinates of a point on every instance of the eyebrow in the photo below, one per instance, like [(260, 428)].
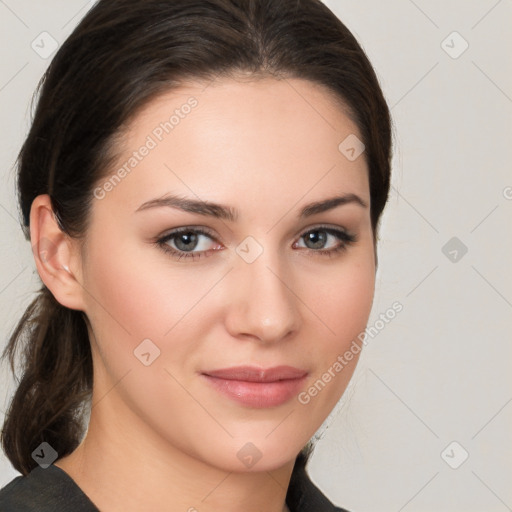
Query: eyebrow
[(220, 211)]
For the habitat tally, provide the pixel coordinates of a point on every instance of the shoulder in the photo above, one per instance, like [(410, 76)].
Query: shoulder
[(305, 496), (44, 490)]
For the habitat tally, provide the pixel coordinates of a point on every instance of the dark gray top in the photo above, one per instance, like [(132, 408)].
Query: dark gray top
[(53, 490)]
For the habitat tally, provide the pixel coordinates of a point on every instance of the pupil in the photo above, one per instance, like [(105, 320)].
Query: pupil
[(189, 241), (318, 239)]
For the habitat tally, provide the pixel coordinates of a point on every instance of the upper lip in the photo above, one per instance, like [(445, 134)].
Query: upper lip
[(254, 374)]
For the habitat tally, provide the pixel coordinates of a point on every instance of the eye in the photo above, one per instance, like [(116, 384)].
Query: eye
[(188, 242), (316, 240)]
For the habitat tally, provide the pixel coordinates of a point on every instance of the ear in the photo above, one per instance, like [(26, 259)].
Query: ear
[(57, 256)]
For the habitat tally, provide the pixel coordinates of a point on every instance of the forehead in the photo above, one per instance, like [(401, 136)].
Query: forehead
[(267, 139)]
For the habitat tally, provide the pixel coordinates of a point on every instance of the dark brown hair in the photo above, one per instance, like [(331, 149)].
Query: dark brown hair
[(122, 55)]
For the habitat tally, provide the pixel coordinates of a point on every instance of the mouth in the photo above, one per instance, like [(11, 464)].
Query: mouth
[(257, 387)]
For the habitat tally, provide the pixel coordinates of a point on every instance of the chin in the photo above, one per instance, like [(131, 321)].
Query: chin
[(255, 454)]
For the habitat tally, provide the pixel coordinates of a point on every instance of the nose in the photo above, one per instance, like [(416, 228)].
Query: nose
[(262, 304)]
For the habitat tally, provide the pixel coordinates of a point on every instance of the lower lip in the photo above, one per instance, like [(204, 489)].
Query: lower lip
[(258, 394)]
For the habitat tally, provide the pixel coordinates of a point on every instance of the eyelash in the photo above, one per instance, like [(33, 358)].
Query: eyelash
[(344, 237)]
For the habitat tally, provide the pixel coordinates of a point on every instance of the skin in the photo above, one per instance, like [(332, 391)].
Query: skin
[(160, 438)]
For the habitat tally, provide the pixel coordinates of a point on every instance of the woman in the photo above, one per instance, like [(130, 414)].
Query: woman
[(202, 186)]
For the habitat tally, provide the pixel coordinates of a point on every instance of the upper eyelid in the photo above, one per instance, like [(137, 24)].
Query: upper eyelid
[(185, 229)]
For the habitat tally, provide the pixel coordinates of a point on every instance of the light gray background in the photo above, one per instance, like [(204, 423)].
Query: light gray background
[(440, 371)]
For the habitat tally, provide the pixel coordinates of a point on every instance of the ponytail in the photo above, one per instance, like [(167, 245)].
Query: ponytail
[(56, 381)]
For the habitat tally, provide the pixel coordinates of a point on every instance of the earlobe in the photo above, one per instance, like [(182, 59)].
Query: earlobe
[(55, 254)]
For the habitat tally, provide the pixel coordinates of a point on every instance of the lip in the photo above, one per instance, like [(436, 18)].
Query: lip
[(255, 374), (257, 387)]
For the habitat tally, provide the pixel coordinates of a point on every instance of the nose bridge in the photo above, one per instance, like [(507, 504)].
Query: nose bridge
[(265, 306)]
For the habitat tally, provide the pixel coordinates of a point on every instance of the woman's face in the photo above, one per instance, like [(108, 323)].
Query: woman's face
[(264, 280)]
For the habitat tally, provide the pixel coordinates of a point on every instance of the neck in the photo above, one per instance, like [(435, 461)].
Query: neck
[(129, 468)]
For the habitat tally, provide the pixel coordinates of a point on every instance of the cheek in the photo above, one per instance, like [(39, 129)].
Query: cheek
[(346, 298), (348, 301), (131, 296), (139, 297), (343, 307)]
